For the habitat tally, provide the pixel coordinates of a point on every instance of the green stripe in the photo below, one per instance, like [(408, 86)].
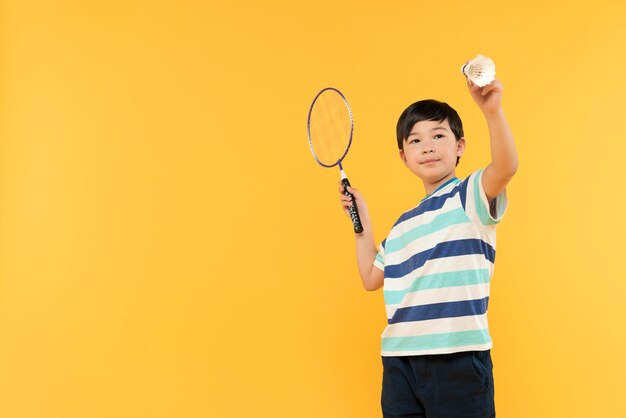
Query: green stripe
[(380, 258), (439, 280), (483, 212), (435, 341), (440, 222)]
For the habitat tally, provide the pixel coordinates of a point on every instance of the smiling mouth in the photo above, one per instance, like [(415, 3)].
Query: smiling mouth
[(429, 161)]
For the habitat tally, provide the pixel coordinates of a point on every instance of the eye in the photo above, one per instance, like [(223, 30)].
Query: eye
[(414, 141), (438, 136)]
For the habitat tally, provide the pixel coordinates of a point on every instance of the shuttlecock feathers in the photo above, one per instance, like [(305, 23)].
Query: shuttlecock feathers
[(480, 71)]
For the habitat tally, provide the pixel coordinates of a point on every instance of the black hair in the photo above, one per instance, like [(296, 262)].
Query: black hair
[(428, 110)]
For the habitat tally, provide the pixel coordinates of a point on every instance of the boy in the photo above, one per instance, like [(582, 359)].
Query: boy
[(437, 262)]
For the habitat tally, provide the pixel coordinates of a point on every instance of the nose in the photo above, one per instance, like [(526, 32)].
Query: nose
[(428, 148)]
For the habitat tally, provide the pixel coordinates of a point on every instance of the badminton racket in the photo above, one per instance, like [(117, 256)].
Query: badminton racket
[(330, 127)]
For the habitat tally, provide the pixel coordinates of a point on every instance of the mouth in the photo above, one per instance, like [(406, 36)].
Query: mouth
[(430, 161)]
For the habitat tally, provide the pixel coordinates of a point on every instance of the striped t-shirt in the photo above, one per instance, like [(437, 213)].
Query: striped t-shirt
[(438, 261)]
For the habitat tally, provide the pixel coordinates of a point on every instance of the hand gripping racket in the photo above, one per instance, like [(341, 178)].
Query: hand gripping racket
[(330, 128)]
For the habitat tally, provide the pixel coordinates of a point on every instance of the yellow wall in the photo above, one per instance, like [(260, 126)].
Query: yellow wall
[(169, 248)]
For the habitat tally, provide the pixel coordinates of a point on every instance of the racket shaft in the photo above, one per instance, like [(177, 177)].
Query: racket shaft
[(354, 211)]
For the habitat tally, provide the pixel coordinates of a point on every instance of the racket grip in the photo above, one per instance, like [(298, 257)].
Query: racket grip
[(354, 211)]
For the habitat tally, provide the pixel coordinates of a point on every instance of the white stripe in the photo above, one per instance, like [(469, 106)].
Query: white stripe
[(439, 265), (379, 265), (436, 326), (470, 203), (448, 350), (431, 214), (501, 203), (441, 295), (450, 204), (452, 233), (446, 189), (446, 294)]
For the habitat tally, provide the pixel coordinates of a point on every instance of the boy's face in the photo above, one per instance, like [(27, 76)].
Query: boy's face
[(431, 152)]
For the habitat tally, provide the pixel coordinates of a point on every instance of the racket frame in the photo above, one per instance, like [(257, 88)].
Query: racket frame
[(354, 212), (308, 127)]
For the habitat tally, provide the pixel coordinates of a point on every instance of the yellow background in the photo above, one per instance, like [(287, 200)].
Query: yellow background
[(169, 247)]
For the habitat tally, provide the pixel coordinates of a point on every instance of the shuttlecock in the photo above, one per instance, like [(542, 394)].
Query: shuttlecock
[(480, 71)]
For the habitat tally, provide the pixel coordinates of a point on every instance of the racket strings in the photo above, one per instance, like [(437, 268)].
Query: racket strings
[(330, 128)]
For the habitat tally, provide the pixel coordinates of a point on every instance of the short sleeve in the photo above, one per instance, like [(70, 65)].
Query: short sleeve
[(476, 205), (379, 261)]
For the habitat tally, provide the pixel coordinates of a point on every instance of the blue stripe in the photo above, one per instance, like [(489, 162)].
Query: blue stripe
[(440, 310), (434, 203), (441, 250), (463, 191)]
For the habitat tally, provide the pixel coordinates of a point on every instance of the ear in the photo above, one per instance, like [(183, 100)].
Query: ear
[(402, 156), (460, 147)]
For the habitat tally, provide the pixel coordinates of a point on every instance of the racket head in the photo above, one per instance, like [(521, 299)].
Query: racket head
[(330, 127)]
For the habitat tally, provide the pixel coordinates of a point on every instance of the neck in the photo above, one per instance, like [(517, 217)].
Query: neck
[(431, 186)]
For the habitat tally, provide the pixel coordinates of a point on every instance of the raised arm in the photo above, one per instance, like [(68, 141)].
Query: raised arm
[(366, 250), (503, 153)]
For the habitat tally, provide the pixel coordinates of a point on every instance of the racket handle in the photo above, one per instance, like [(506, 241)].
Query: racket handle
[(354, 211)]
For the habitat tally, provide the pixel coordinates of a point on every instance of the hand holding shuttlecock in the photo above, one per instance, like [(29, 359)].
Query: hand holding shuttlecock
[(480, 71)]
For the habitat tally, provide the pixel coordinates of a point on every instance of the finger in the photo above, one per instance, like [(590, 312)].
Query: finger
[(494, 85), (355, 195), (486, 89), (470, 84), (343, 190)]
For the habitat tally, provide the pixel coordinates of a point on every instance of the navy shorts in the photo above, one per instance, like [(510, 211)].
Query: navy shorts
[(458, 385)]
